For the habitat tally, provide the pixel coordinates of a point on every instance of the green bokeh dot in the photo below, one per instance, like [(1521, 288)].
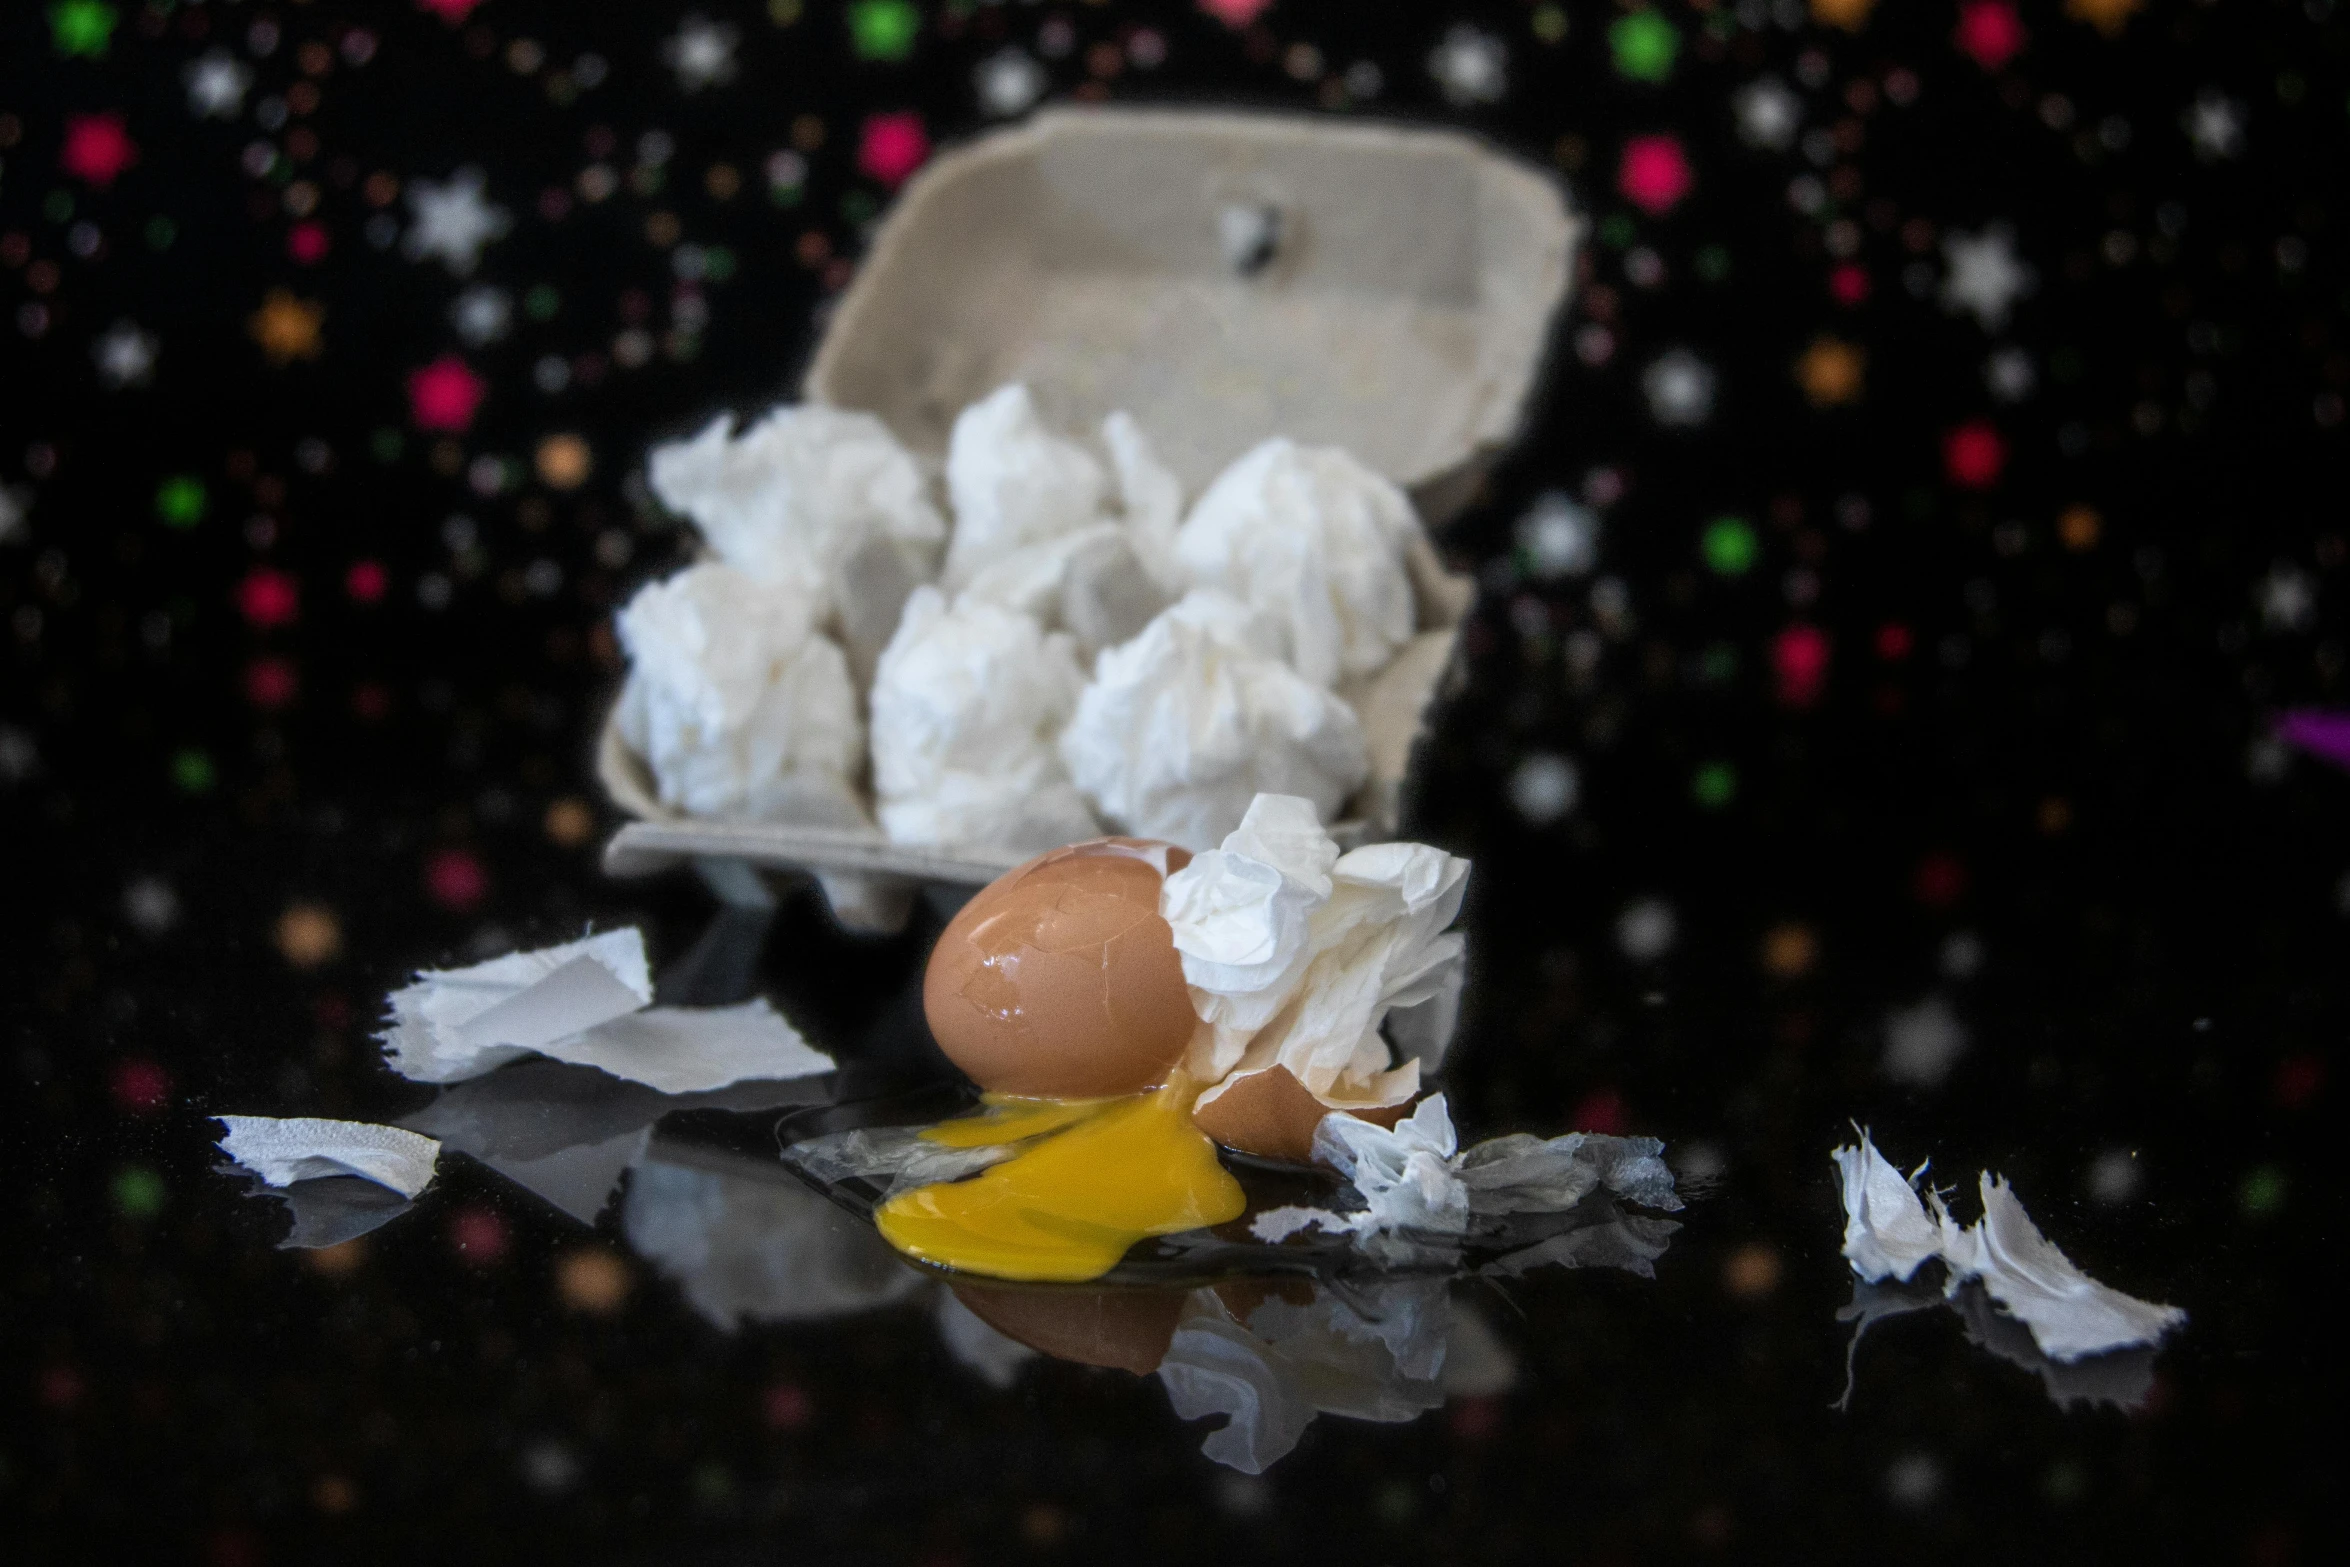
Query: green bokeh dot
[(193, 771), (2263, 1191), (1644, 44), (1729, 545), (387, 444), (138, 1192), (179, 501), (883, 29), (718, 263), (541, 303), (1616, 231), (162, 233), (1713, 263), (1714, 786), (57, 206)]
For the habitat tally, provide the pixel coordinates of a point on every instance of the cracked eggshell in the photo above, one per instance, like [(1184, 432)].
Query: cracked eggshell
[(1273, 1115), (1060, 980)]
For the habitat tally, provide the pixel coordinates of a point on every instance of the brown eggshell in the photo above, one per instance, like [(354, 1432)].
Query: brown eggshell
[(1127, 1329), (1060, 980), (1273, 1115)]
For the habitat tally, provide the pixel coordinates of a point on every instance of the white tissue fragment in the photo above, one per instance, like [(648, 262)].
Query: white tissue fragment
[(2070, 1315), (796, 496), (585, 1002), (1295, 954), (691, 1050), (740, 706), (1013, 483), (1313, 539), (282, 1152), (1183, 726), (1886, 1231), (968, 703), (1415, 1178), (451, 1024), (1406, 1176)]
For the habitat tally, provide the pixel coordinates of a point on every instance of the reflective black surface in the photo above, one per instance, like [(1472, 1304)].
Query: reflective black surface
[(1906, 786)]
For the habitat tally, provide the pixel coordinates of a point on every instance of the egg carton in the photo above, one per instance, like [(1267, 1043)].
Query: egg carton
[(1223, 277)]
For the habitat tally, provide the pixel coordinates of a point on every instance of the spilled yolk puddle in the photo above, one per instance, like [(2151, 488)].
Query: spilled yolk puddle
[(1107, 1173)]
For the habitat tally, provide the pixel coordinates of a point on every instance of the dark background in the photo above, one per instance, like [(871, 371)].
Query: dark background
[(230, 829)]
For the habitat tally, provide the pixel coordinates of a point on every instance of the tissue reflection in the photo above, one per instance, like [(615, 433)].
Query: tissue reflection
[(2123, 1378)]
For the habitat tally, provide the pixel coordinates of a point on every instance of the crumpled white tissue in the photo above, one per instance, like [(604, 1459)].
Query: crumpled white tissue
[(1013, 483), (1295, 955), (585, 1002), (1182, 727), (1416, 1178), (1315, 540), (797, 495), (2070, 1315), (1091, 584), (968, 703), (1153, 500), (302, 1148), (740, 706)]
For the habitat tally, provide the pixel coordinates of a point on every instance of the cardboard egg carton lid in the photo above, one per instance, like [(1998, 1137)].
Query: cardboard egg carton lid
[(1222, 276)]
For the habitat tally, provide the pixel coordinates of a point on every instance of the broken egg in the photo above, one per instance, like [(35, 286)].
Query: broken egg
[(1060, 980)]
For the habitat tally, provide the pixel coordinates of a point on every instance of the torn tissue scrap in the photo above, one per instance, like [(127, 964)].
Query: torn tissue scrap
[(588, 1002), (1889, 1233), (1413, 1179), (303, 1148)]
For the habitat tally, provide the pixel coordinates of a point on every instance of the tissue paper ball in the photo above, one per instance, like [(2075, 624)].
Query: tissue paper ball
[(1314, 541), (968, 701), (741, 708), (1013, 483), (1060, 979), (796, 496), (1185, 725)]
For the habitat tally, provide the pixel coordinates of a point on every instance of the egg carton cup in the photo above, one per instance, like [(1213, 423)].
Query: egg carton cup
[(1223, 277)]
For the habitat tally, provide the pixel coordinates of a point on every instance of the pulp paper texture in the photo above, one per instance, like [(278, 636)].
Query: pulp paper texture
[(282, 1152), (1181, 727), (968, 703), (798, 495), (1314, 540), (739, 705), (584, 1003), (1296, 954), (2069, 1314)]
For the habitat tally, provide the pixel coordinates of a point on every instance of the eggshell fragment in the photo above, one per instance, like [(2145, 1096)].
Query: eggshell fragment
[(1273, 1115), (1060, 980)]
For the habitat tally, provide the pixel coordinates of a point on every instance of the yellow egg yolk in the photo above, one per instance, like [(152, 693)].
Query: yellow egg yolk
[(1103, 1174)]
